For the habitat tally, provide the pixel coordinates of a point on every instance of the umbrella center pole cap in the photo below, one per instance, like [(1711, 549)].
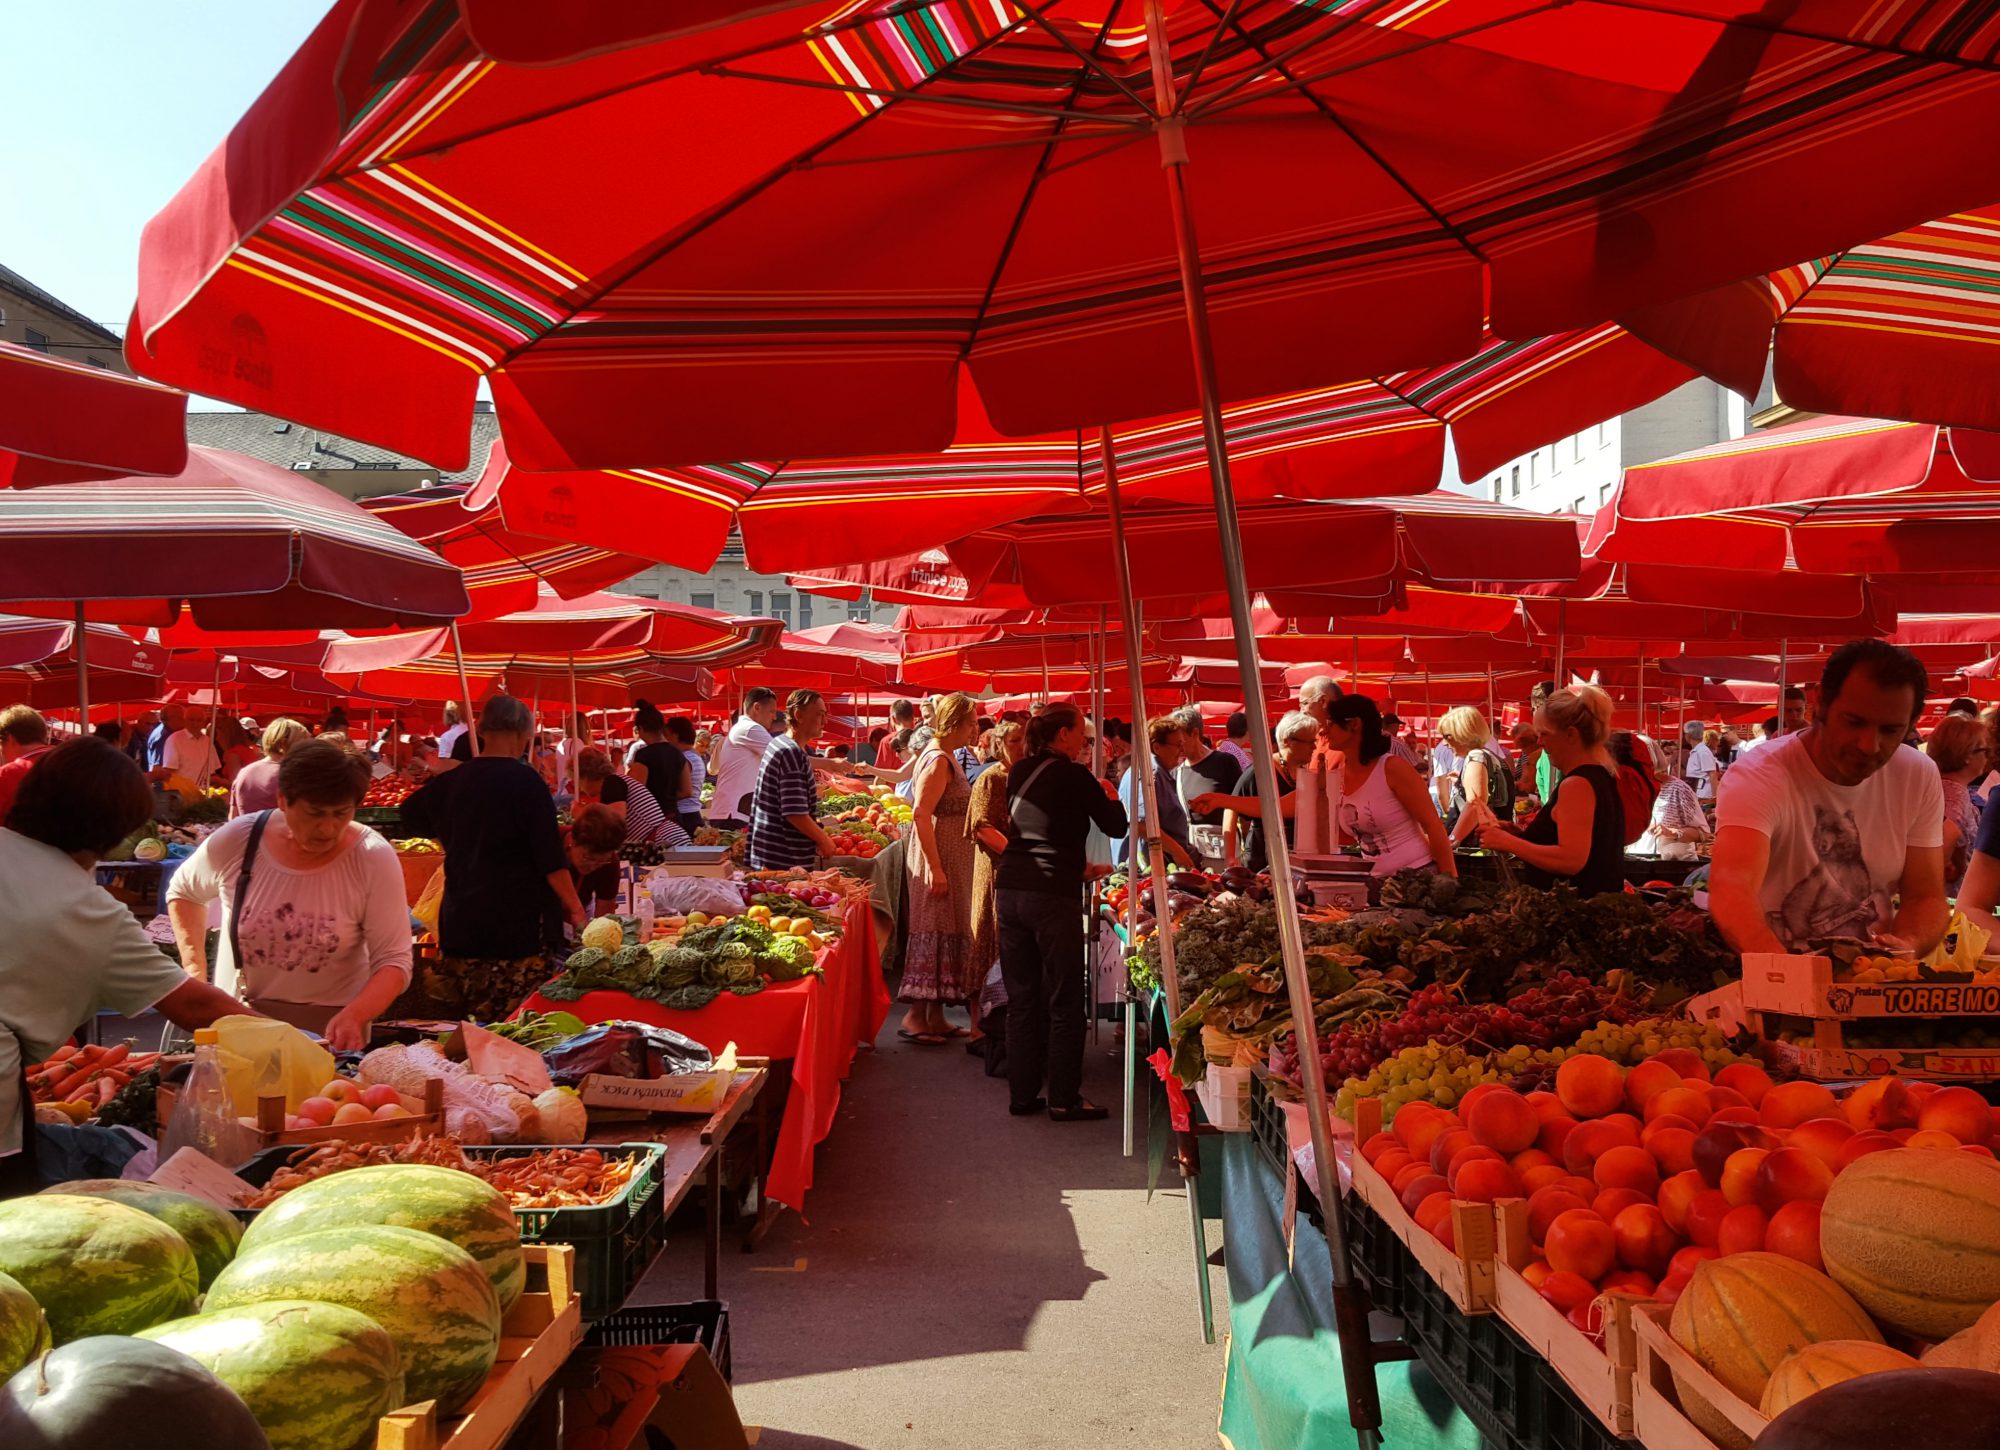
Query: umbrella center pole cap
[(1172, 131)]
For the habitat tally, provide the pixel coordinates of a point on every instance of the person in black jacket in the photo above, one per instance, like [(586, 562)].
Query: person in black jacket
[(1052, 799)]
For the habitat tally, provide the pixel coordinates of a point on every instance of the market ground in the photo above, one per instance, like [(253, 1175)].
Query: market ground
[(969, 1279)]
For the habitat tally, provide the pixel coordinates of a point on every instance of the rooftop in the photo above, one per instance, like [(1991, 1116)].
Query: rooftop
[(293, 445), (12, 281)]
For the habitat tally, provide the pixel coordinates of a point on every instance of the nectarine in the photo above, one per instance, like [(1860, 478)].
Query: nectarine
[(1673, 1150), (1794, 1232), (1627, 1167), (1504, 1122), (1545, 1206), (1683, 1060), (1644, 1239), (1792, 1175), (1960, 1112), (1414, 1191), (1690, 1104), (1742, 1230), (1705, 1214), (1746, 1078), (1788, 1104), (1589, 1085), (1739, 1174), (1675, 1196), (1646, 1080), (1481, 1180), (1614, 1201), (1580, 1243)]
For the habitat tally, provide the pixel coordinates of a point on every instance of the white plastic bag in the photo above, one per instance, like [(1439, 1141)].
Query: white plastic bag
[(680, 895)]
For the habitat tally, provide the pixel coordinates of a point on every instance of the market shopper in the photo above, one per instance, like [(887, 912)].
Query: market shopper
[(1960, 748), (1637, 789), (634, 807), (1527, 764), (24, 738), (1052, 801), (1478, 773), (315, 928), (172, 718), (1203, 771), (189, 753), (938, 965), (256, 785), (1236, 739), (986, 822), (1385, 805), (71, 949), (783, 832), (503, 859), (591, 843), (680, 730), (1678, 824), (1297, 737), (1578, 838), (740, 757), (1165, 750), (234, 748), (1837, 831), (1700, 765), (658, 764)]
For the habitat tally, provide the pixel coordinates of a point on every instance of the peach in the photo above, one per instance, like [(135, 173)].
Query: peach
[(1683, 1060), (1994, 1114), (1381, 1143), (1923, 1092), (1445, 1234), (1528, 1158), (1409, 1174), (1734, 1115), (1980, 1148), (1746, 1078), (1690, 1104), (1788, 1104), (1647, 1080), (1474, 1154), (1504, 1122), (1438, 1155), (1567, 1290), (352, 1112), (1588, 1143), (1432, 1211), (1391, 1163), (1535, 1271), (1686, 1260), (1630, 1129), (381, 1095), (1669, 1292), (1415, 1190), (1614, 1201), (1426, 1133), (1794, 1232), (1822, 1137), (1581, 1243), (1673, 1150), (1932, 1138), (1627, 1167), (1628, 1281), (1742, 1230), (1587, 1319), (1644, 1239), (1902, 1135), (1409, 1116), (1739, 1174), (1792, 1175), (1545, 1206), (1883, 1103), (340, 1090), (1675, 1196), (1554, 1134), (1868, 1140), (319, 1110), (1590, 1086), (1722, 1097), (392, 1110), (1584, 1188), (1714, 1144), (1960, 1112), (1548, 1107), (1664, 1122), (1483, 1180), (1477, 1093), (1705, 1214), (1541, 1176)]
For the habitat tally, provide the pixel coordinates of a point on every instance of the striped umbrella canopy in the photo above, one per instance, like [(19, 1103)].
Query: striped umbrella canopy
[(62, 421), (402, 213), (503, 567), (1907, 326), (239, 543)]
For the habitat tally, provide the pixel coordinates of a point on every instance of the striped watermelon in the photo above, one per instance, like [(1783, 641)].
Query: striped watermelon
[(431, 1295), (211, 1232), (23, 1332), (316, 1376), (95, 1267), (469, 1211)]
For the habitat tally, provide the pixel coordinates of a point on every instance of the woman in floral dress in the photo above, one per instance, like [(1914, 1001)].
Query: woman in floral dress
[(938, 961)]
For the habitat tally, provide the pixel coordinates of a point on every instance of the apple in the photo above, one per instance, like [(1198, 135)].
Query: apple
[(391, 1110), (318, 1111), (351, 1113), (340, 1090), (379, 1095)]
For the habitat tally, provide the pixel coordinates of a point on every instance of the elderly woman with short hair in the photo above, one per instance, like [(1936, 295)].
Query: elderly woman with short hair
[(1297, 737), (256, 785)]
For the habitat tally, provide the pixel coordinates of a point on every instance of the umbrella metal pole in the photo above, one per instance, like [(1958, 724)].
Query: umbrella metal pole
[(1350, 1306), (81, 648), (465, 691), (577, 730), (1562, 607), (1784, 648)]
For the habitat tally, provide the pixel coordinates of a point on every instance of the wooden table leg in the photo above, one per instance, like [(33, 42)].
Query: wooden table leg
[(712, 1268)]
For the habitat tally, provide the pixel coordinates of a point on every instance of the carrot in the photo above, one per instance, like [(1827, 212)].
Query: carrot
[(62, 1089), (107, 1090), (113, 1056), (63, 1053)]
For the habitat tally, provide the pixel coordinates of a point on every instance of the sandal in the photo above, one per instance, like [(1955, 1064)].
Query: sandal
[(1027, 1109), (922, 1039), (1079, 1112)]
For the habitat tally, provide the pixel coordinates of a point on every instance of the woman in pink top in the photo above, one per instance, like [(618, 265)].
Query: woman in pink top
[(255, 787)]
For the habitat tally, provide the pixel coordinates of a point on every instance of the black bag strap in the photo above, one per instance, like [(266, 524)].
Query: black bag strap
[(243, 890)]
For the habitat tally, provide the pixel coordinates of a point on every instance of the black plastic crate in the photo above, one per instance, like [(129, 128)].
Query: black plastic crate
[(1380, 1260), (1267, 1123), (702, 1321), (1560, 1420), (1488, 1370)]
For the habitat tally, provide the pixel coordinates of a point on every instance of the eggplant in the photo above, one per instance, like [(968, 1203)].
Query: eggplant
[(1189, 882)]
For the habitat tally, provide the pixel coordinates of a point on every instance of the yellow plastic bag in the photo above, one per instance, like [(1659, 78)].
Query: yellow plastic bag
[(1961, 948), (430, 901), (262, 1056)]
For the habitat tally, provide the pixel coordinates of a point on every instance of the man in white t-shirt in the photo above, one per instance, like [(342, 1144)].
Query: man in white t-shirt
[(189, 751), (1699, 767), (453, 728), (740, 758), (1837, 831)]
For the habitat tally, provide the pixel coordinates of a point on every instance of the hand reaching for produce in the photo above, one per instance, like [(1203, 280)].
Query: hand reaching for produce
[(347, 1031)]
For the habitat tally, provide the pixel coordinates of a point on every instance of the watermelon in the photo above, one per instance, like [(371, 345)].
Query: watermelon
[(96, 1267), (211, 1232), (316, 1376), (430, 1294), (23, 1332), (469, 1211), (111, 1390)]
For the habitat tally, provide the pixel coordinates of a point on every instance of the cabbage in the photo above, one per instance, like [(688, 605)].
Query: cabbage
[(606, 933)]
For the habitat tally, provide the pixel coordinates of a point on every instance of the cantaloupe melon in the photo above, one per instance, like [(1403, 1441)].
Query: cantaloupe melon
[(1914, 1234), (1741, 1315), (1812, 1369), (1974, 1348)]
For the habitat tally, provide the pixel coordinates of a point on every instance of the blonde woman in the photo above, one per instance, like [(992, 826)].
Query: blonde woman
[(1960, 749), (1579, 837), (1482, 775), (986, 821), (256, 785), (938, 964)]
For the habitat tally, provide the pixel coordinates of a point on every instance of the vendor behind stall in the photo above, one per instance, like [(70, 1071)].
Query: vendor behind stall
[(1578, 836), (1837, 831), (71, 950), (315, 924)]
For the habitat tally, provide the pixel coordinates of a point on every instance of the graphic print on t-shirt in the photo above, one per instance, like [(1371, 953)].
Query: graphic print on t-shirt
[(1837, 897), (286, 939)]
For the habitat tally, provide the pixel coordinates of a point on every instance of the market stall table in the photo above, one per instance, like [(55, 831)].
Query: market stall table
[(816, 1023)]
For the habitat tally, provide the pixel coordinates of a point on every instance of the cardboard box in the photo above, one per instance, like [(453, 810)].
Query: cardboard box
[(688, 1092)]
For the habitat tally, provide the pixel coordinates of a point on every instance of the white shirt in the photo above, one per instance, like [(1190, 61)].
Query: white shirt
[(312, 936), (1837, 851), (70, 951), (190, 755), (736, 772), (1700, 771), (1444, 760), (447, 740)]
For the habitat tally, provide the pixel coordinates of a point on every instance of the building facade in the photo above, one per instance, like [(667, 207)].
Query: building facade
[(32, 318)]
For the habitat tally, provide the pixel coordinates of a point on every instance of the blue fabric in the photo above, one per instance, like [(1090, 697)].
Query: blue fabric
[(1173, 815), (156, 745), (784, 788)]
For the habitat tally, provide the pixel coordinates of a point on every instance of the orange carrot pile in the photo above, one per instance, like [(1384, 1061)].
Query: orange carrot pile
[(90, 1074)]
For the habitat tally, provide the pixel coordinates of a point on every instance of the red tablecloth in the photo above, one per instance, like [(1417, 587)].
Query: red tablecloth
[(818, 1022)]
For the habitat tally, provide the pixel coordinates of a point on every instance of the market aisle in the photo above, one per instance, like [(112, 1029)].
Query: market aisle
[(969, 1279)]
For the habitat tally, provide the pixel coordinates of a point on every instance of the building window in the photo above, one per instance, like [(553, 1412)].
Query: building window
[(1604, 494), (39, 341), (1517, 481), (862, 610), (757, 601), (1498, 488), (1603, 434), (1555, 461), (1577, 444), (98, 362), (702, 599), (1534, 469), (805, 611), (1578, 506), (781, 607)]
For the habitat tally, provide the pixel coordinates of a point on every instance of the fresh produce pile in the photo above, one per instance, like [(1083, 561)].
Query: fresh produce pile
[(343, 1101), (549, 1178), (476, 1109), (358, 1294), (1236, 1020), (539, 1030), (693, 961), (420, 846), (388, 790), (77, 1081)]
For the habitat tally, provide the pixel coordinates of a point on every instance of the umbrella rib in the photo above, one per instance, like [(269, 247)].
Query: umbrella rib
[(1751, 22), (1208, 51), (1089, 62), (991, 107), (1125, 138)]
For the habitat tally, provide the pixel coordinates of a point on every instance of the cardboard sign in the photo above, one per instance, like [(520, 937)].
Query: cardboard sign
[(496, 1058), (193, 1172), (689, 1092)]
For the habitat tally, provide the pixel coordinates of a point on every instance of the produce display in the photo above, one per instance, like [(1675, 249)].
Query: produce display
[(211, 1234), (861, 825), (389, 791), (76, 1081), (111, 1390), (342, 1101), (551, 1178), (143, 1273), (694, 959)]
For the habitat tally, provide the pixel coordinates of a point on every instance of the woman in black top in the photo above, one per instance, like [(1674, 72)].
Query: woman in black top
[(1579, 837), (1051, 802), (656, 762)]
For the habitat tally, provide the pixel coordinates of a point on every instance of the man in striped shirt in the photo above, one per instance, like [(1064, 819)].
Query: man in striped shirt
[(783, 833)]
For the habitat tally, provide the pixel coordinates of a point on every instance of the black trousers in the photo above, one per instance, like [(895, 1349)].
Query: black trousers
[(1041, 961)]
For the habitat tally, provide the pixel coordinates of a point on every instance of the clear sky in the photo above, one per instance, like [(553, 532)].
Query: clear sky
[(106, 107)]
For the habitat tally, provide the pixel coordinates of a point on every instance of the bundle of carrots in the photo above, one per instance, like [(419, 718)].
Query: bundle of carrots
[(89, 1076)]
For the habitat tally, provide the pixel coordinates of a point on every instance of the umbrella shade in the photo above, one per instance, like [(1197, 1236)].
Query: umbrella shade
[(860, 202), (502, 567), (241, 543), (61, 422)]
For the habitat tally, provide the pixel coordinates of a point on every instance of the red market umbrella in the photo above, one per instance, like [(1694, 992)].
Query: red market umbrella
[(62, 422)]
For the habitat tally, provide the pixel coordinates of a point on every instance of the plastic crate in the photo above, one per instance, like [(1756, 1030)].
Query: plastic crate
[(1486, 1368), (1561, 1420), (1380, 1260), (615, 1242), (703, 1321), (1267, 1123)]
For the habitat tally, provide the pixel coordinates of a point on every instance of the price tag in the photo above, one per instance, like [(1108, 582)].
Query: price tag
[(193, 1172), (492, 1056)]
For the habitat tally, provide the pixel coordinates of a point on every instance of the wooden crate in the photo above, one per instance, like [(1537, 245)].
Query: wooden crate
[(1464, 1272), (1658, 1420), (1599, 1375), (426, 1117), (540, 1333), (1834, 1062), (1805, 986)]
